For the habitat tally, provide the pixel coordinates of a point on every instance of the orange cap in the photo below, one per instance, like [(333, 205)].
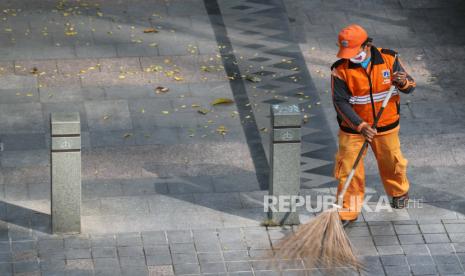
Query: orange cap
[(350, 40)]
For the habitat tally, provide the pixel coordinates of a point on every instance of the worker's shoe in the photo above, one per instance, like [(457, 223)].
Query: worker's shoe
[(346, 223), (400, 202)]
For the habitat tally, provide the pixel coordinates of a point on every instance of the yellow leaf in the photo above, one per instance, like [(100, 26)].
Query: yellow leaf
[(222, 101), (8, 30), (264, 129), (100, 14), (178, 78), (222, 130), (18, 94), (121, 77), (34, 70), (165, 112), (106, 117), (29, 95), (253, 78), (150, 30), (142, 110), (153, 44), (195, 105)]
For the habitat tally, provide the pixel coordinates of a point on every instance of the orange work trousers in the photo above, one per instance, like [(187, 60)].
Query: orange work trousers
[(391, 164)]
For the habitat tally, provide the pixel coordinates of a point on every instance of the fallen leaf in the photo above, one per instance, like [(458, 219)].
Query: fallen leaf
[(100, 14), (121, 77), (165, 112), (150, 30), (253, 78), (178, 78), (106, 117), (195, 105), (153, 44), (205, 68), (142, 110), (222, 101), (306, 118), (34, 71), (222, 130), (161, 89), (264, 129), (127, 135), (203, 111), (29, 95)]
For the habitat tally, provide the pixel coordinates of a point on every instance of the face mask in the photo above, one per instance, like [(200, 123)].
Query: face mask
[(359, 58)]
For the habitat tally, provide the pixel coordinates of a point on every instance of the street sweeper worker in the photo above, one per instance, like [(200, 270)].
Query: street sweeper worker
[(360, 81)]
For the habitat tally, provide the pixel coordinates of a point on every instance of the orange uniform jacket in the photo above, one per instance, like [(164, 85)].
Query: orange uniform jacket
[(359, 93)]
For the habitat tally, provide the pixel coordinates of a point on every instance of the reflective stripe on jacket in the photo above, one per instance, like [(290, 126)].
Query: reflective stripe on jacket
[(358, 93)]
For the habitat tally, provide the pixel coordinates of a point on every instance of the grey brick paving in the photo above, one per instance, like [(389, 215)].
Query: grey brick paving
[(412, 239)]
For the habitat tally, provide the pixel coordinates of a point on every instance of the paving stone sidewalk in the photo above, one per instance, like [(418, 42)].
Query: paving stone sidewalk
[(173, 185)]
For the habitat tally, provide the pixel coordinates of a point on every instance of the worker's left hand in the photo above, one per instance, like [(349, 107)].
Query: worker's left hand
[(399, 78)]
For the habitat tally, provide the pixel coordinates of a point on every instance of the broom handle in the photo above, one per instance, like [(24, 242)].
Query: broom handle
[(365, 145)]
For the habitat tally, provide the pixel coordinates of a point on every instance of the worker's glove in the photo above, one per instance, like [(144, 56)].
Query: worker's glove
[(367, 131), (399, 79)]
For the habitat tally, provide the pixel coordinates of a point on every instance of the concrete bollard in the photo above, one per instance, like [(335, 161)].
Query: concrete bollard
[(285, 161), (66, 172)]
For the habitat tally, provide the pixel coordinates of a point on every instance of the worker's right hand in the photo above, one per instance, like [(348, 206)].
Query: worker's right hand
[(368, 132)]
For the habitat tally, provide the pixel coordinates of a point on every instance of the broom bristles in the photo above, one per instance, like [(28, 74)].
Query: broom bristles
[(321, 243)]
